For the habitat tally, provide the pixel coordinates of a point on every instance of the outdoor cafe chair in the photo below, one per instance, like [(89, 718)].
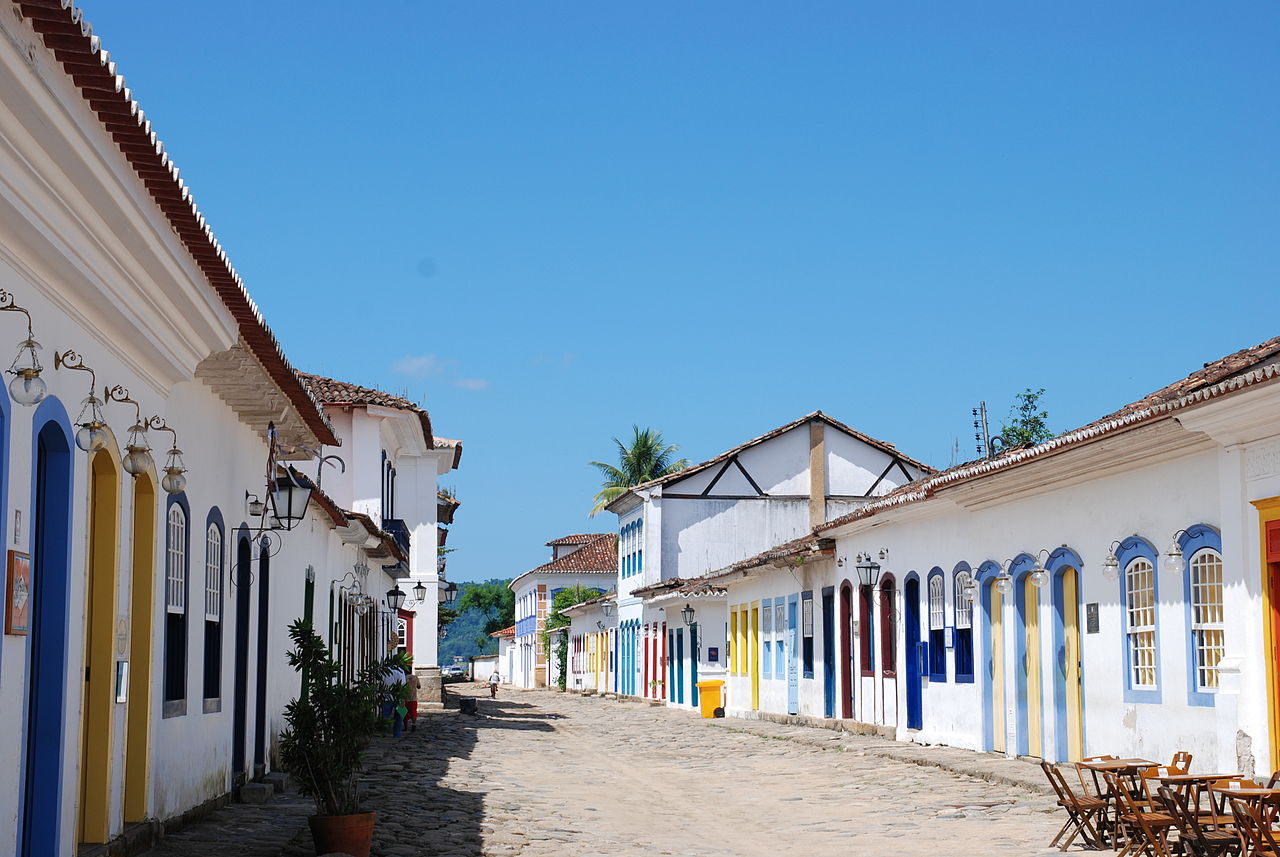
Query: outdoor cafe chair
[(1146, 830), (1198, 839), (1181, 763), (1219, 801), (1256, 835), (1081, 812)]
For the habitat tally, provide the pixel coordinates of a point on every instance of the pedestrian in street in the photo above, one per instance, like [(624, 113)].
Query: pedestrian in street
[(493, 684), (415, 684)]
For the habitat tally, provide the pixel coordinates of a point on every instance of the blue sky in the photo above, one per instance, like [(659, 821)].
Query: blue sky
[(551, 221)]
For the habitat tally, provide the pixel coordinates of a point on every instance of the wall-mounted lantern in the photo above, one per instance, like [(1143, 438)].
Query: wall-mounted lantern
[(290, 496), (1110, 564), (27, 387), (1174, 561), (91, 434), (687, 614)]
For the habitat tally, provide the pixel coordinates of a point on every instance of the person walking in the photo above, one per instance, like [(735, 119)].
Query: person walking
[(493, 684)]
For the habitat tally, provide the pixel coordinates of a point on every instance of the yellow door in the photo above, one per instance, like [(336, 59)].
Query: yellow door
[(100, 627), (753, 648), (1031, 608), (137, 722), (1071, 651), (998, 727), (734, 646)]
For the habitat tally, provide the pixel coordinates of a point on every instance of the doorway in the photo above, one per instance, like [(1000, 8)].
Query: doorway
[(915, 654), (846, 650), (1068, 708), (994, 602), (240, 707), (1030, 717), (41, 813), (829, 651), (99, 653), (138, 716), (264, 632)]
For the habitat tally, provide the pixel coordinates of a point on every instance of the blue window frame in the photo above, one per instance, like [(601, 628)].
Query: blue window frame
[(962, 620), (806, 633), (1139, 610), (766, 637), (1205, 614), (936, 592)]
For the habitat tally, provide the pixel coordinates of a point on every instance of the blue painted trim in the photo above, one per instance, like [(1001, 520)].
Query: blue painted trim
[(829, 651), (766, 643), (1197, 537), (962, 677), (693, 664), (1059, 561), (1021, 567), (1130, 549), (937, 653), (916, 651), (985, 574), (45, 711), (807, 665)]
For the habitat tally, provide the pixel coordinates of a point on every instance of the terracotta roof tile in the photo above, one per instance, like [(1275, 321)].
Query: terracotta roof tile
[(1237, 371), (334, 392), (576, 539), (599, 554), (70, 40)]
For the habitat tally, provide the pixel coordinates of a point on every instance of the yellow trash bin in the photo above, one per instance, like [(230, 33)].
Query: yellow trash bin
[(709, 697)]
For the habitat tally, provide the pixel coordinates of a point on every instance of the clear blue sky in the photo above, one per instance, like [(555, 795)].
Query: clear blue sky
[(549, 221)]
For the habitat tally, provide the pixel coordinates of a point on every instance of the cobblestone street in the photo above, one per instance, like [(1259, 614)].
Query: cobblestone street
[(538, 773)]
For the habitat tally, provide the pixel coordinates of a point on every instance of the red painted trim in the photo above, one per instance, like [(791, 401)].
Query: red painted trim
[(666, 691)]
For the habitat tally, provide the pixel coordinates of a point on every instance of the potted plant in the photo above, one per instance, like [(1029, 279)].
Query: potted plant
[(322, 748)]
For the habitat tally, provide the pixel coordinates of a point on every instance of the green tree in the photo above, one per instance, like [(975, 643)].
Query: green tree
[(494, 600), (1027, 421), (647, 457), (564, 599)]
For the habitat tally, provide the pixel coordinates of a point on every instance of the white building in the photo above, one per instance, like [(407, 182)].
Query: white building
[(146, 609), (589, 560), (1122, 580), (768, 490)]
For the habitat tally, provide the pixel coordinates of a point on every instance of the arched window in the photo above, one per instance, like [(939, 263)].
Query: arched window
[(175, 602), (1206, 617), (963, 601), (212, 616), (937, 627), (1140, 622)]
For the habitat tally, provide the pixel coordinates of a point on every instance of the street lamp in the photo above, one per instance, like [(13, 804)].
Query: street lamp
[(450, 594), (868, 570), (1110, 564), (1175, 562), (290, 497), (607, 608), (27, 387), (687, 614), (395, 597)]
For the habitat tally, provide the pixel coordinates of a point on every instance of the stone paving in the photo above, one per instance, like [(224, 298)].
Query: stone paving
[(540, 773)]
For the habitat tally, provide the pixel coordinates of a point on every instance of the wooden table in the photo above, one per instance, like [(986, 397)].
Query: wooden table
[(1120, 766), (1184, 779)]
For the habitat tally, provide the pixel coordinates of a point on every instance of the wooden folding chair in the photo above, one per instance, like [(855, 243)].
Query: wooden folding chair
[(1197, 838), (1181, 763), (1219, 803), (1081, 811), (1256, 835), (1146, 829)]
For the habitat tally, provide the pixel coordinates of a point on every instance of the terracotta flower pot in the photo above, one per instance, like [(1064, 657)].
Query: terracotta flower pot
[(344, 834)]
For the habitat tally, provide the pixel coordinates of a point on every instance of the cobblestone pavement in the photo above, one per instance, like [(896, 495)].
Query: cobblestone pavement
[(539, 773)]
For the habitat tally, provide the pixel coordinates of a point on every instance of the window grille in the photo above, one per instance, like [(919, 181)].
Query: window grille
[(176, 565), (937, 616), (213, 574), (964, 605), (1207, 616), (1140, 608), (766, 620)]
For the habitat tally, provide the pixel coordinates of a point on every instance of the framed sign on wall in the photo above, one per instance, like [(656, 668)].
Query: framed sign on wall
[(17, 596)]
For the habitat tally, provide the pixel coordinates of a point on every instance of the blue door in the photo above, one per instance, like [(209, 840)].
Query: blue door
[(915, 655), (41, 811), (240, 705), (793, 650), (828, 652), (680, 666)]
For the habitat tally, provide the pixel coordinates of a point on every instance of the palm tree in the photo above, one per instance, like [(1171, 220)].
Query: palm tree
[(646, 458)]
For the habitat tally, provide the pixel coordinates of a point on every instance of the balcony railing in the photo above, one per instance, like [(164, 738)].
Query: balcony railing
[(396, 528)]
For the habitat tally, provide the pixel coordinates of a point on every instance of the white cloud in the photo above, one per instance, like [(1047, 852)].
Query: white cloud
[(420, 366), (477, 384)]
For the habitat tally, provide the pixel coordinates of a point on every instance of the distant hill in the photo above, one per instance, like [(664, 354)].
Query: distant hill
[(465, 635)]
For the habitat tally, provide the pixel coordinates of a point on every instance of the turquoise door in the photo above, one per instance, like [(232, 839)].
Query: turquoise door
[(793, 655)]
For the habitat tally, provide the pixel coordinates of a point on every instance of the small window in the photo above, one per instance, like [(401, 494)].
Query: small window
[(866, 628), (937, 628), (175, 602), (212, 614), (963, 600), (1207, 616), (1140, 623), (806, 633)]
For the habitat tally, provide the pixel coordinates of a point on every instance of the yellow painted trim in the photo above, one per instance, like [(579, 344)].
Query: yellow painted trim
[(100, 648), (1035, 722), (998, 725), (733, 637), (138, 720), (1071, 642), (1268, 511), (754, 651)]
